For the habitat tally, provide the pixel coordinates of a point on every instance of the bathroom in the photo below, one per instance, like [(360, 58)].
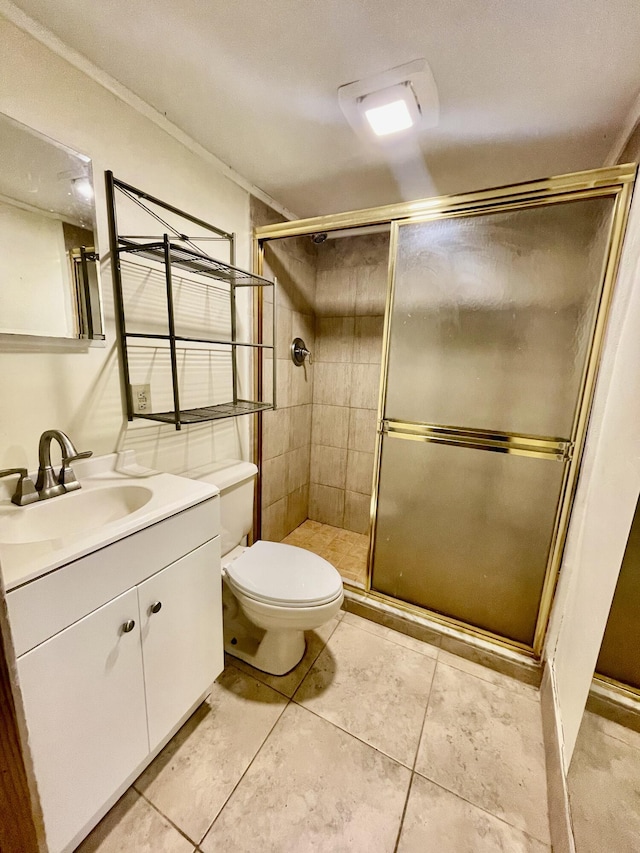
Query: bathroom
[(388, 739)]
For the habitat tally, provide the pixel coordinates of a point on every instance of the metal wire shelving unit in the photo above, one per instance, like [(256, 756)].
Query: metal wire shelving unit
[(174, 250)]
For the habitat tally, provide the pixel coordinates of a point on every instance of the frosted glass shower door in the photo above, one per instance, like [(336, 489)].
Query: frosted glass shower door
[(490, 330)]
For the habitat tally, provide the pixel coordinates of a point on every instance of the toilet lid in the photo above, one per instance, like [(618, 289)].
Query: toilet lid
[(283, 574)]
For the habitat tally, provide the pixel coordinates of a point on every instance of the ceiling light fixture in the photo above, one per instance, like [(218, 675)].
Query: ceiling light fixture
[(391, 110), (404, 98)]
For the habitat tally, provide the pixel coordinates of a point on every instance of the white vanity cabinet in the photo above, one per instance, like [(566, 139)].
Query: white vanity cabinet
[(114, 679), (178, 637), (84, 700)]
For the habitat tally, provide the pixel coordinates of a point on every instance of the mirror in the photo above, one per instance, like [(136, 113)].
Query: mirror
[(49, 271)]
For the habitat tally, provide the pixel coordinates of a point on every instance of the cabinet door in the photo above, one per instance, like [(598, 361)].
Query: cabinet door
[(85, 707), (181, 642)]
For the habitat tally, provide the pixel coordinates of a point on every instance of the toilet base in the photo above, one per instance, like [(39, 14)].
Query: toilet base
[(273, 651), (277, 653)]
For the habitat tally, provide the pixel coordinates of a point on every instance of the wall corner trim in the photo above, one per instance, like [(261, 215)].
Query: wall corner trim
[(560, 823), (39, 32)]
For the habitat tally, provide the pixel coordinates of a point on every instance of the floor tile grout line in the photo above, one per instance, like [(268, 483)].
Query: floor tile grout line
[(482, 809), (444, 788), (163, 815), (424, 716), (351, 734), (415, 758), (244, 773), (404, 811)]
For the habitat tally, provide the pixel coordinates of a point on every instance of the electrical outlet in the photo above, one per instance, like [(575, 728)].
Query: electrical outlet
[(141, 395)]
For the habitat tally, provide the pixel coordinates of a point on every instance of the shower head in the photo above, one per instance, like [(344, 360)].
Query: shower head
[(320, 237)]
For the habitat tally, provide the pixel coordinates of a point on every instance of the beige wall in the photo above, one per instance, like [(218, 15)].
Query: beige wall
[(350, 300), (80, 393), (287, 430)]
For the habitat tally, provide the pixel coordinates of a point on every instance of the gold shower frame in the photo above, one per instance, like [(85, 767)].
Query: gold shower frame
[(616, 182)]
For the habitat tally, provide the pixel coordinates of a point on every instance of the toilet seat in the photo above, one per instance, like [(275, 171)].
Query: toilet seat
[(284, 575)]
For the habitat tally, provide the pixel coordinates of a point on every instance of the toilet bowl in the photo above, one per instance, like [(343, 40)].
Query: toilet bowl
[(272, 592)]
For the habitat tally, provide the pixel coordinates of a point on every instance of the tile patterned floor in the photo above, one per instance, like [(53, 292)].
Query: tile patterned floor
[(604, 787), (375, 743), (344, 549)]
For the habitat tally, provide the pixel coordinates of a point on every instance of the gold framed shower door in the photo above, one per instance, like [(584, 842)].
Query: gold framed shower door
[(615, 182)]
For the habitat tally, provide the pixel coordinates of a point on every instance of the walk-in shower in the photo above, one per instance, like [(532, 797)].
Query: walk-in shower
[(495, 313)]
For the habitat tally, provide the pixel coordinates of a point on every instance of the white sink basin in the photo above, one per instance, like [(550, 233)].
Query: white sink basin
[(110, 505), (70, 516)]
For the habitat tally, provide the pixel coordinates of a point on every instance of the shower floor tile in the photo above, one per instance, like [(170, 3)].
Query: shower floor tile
[(336, 767), (344, 549)]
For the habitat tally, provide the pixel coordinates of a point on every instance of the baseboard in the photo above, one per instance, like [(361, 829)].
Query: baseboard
[(614, 703), (560, 825)]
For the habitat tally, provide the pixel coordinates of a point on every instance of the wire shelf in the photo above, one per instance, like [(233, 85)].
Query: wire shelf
[(208, 413), (188, 259)]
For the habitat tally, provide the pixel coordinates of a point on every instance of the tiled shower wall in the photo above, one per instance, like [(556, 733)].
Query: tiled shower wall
[(351, 286), (286, 446)]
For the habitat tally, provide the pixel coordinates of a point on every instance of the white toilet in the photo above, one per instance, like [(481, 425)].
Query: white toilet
[(273, 592)]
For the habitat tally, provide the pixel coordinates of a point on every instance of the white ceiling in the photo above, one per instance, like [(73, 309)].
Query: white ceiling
[(528, 88)]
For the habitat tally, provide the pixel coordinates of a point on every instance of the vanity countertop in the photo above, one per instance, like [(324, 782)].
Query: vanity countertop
[(117, 498)]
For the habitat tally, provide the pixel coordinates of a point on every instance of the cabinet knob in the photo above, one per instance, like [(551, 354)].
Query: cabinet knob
[(128, 626), (156, 607)]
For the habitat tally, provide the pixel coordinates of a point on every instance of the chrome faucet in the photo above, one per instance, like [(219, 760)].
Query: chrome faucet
[(47, 484)]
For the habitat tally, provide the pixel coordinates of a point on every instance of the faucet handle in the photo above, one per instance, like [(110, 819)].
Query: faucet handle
[(67, 478), (25, 492)]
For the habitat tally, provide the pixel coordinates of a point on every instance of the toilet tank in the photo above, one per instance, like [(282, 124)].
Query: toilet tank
[(236, 481)]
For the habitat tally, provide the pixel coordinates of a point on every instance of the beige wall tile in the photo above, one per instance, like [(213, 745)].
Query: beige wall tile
[(330, 426), (326, 504), (283, 383), (283, 333), (300, 383), (297, 468), (365, 386), (300, 426), (274, 519), (328, 466), (267, 321), (303, 326), (359, 472), (362, 430), (275, 436), (335, 292), (267, 378), (274, 479), (334, 338), (297, 507), (356, 512), (296, 278), (367, 345), (332, 383), (371, 289)]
